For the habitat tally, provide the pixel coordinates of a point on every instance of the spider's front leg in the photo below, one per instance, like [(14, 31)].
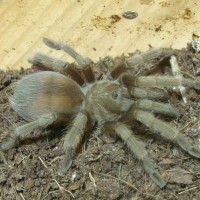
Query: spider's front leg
[(124, 64), (148, 94), (158, 81), (146, 57), (165, 130), (137, 147), (156, 107), (72, 140)]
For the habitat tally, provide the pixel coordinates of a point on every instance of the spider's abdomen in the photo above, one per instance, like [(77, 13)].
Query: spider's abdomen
[(45, 92)]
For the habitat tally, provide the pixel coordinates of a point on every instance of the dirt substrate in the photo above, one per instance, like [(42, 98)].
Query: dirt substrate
[(104, 168)]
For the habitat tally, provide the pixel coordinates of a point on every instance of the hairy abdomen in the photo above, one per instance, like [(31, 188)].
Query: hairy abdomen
[(45, 92)]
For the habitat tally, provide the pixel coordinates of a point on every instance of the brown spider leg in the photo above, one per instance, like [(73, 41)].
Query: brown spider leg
[(136, 147), (157, 107), (166, 130), (145, 57), (72, 140), (41, 59), (26, 129), (83, 63), (139, 59), (48, 62), (148, 93), (159, 81)]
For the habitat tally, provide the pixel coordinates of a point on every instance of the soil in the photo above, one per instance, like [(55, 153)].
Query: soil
[(104, 168)]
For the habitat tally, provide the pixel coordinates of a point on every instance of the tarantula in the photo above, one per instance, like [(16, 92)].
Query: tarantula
[(113, 103)]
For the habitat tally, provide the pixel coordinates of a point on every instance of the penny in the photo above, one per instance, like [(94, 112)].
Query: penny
[(130, 14)]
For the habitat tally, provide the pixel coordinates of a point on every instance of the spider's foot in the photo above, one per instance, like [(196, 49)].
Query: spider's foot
[(52, 44), (192, 150), (65, 166), (47, 61), (153, 173), (5, 146), (157, 178)]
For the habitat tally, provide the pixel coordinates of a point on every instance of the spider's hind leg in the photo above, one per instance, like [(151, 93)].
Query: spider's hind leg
[(84, 63), (72, 140), (48, 62), (26, 129), (165, 130), (55, 64)]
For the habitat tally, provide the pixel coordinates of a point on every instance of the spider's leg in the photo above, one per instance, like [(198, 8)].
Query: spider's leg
[(166, 131), (72, 140), (84, 64), (41, 59), (148, 93), (66, 48), (156, 107), (145, 57), (138, 59), (159, 81), (47, 61), (137, 147), (26, 129)]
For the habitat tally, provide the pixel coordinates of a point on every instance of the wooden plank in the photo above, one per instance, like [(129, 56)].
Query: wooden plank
[(91, 27)]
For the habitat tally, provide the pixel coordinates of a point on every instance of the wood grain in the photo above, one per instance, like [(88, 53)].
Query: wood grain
[(94, 28)]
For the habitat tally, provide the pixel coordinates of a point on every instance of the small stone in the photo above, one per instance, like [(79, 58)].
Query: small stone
[(2, 179), (167, 161), (180, 176), (37, 183), (29, 184), (19, 187), (19, 177), (74, 186)]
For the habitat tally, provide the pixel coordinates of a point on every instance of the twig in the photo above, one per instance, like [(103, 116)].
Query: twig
[(2, 157), (43, 162), (21, 195), (177, 73), (192, 188), (51, 171), (120, 167), (119, 179), (62, 188), (92, 180), (194, 123), (110, 176)]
